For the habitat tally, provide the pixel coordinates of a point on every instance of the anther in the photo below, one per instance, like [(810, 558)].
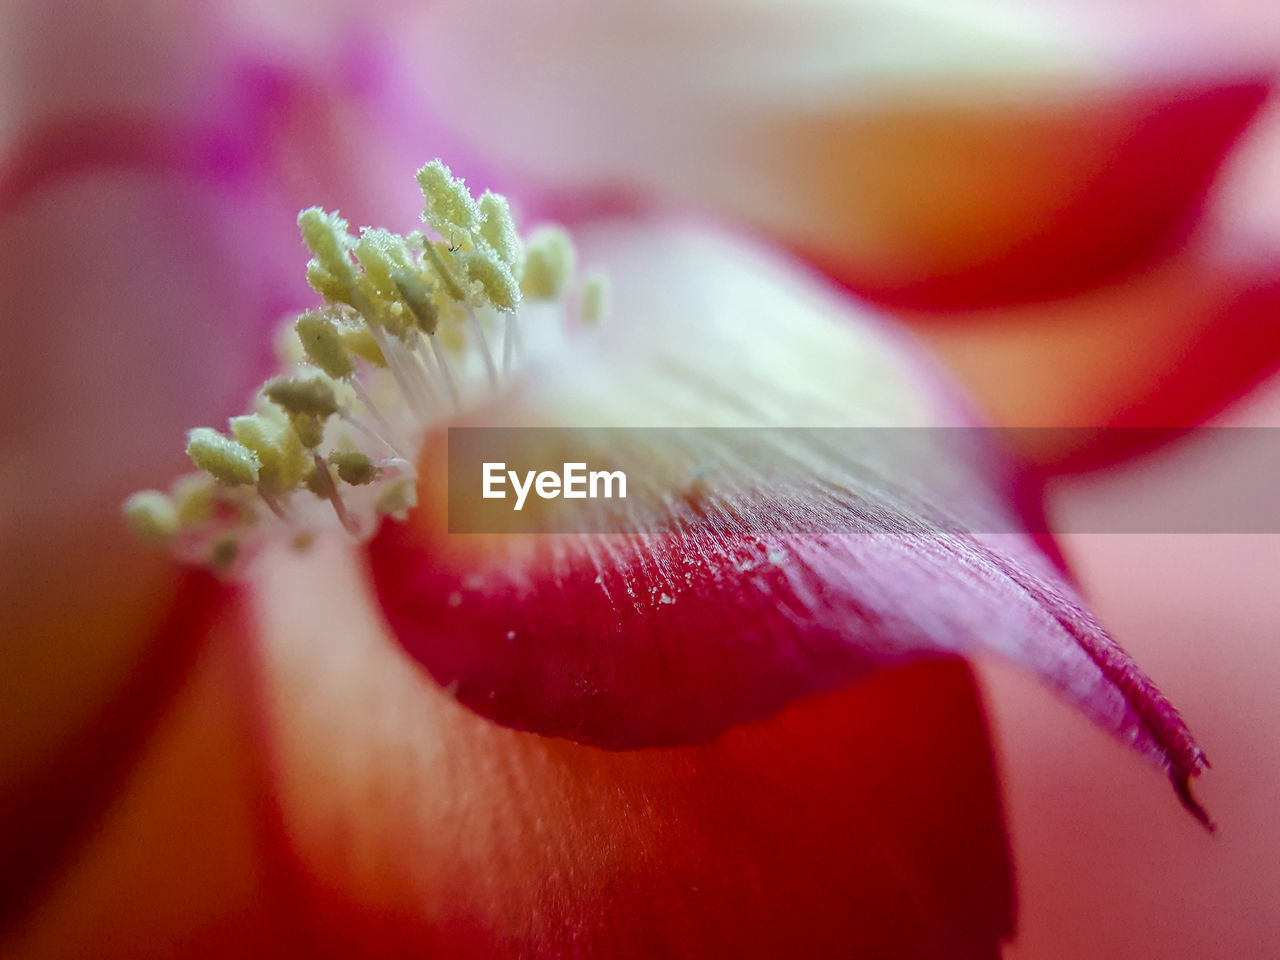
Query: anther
[(152, 517), (311, 395), (449, 208), (331, 273), (193, 498), (548, 263), (593, 305), (354, 468), (222, 458), (324, 346), (499, 228), (283, 462)]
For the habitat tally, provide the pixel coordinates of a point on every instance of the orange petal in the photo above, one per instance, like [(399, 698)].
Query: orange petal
[(1168, 346), (175, 861), (865, 821)]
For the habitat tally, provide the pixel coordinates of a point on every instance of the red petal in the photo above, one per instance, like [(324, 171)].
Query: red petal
[(632, 640), (1069, 198), (50, 806), (864, 823), (170, 854), (1168, 347)]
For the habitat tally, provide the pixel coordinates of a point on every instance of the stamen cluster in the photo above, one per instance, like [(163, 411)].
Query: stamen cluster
[(402, 340)]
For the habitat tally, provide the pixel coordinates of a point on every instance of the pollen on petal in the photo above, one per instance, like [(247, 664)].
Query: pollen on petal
[(398, 498)]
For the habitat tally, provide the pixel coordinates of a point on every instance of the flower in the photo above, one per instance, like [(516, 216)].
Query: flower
[(310, 803), (1061, 216)]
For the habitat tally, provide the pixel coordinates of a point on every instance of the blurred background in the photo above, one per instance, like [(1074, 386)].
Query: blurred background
[(1074, 205)]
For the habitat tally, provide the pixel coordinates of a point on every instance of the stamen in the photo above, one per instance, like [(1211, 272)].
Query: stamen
[(222, 458), (152, 516), (508, 341), (323, 486), (402, 332), (593, 306), (548, 263), (450, 383), (384, 435), (372, 434), (489, 366), (274, 505)]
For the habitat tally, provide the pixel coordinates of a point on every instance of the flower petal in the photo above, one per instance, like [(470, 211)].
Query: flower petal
[(927, 155), (114, 346), (1169, 346), (864, 823), (149, 239), (637, 639), (64, 762), (175, 858)]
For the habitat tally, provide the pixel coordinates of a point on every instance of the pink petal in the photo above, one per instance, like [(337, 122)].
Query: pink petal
[(630, 640), (1200, 610)]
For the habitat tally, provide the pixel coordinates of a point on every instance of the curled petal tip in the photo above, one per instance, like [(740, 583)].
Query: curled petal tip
[(1182, 787)]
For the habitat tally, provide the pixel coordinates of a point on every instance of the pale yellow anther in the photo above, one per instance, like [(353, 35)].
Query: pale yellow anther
[(326, 236), (323, 344), (593, 307), (440, 259), (309, 394), (193, 497), (398, 498), (283, 462), (324, 283), (449, 208), (416, 292), (549, 260), (331, 272), (309, 428), (499, 228), (354, 468), (152, 517), (361, 342), (287, 346), (491, 279), (224, 459), (381, 253)]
